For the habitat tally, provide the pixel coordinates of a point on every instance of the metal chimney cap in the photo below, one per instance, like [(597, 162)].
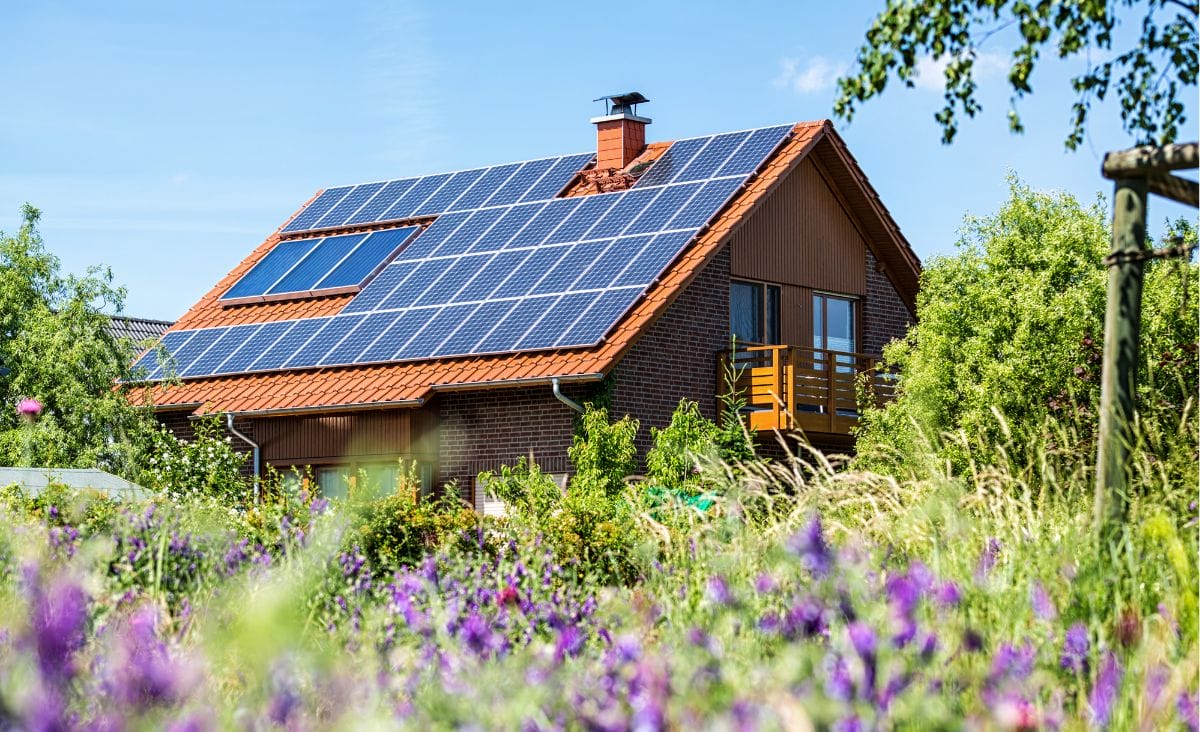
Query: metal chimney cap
[(621, 103)]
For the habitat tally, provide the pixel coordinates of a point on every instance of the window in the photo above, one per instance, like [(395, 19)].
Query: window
[(834, 328), (754, 312)]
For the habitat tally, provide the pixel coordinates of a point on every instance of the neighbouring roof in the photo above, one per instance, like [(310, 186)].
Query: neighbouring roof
[(138, 330), (411, 383)]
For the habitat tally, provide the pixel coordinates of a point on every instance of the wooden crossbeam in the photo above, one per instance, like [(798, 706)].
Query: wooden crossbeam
[(1180, 190), (1148, 160)]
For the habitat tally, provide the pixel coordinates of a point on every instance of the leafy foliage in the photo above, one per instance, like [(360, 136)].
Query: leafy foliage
[(681, 447), (56, 347), (1007, 334), (205, 466), (1152, 77)]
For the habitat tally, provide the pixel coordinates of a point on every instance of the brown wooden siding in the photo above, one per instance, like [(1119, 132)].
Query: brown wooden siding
[(802, 236), (347, 437)]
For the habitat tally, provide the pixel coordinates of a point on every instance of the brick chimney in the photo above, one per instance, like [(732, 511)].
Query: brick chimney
[(620, 132)]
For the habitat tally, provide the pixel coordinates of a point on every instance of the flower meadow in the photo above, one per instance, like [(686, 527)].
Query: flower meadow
[(802, 598)]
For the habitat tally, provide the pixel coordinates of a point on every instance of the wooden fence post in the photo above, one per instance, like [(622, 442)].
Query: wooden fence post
[(1122, 326)]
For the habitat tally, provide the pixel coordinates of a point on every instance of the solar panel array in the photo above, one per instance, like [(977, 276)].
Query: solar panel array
[(407, 198), (309, 265), (499, 278)]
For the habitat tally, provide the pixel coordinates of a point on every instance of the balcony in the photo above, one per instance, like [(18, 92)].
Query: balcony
[(813, 390)]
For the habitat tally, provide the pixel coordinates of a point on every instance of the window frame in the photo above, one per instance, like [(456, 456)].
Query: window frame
[(770, 315)]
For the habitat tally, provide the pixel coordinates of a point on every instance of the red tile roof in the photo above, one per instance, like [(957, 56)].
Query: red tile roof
[(415, 382)]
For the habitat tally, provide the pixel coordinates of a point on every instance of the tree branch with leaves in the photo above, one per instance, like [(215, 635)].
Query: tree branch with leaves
[(1150, 78)]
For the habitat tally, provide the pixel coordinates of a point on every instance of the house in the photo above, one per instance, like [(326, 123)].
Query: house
[(140, 331), (456, 319)]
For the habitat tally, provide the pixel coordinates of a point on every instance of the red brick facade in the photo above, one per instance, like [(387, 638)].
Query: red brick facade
[(885, 317), (677, 356)]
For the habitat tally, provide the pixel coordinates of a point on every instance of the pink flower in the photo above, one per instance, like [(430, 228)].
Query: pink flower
[(29, 408)]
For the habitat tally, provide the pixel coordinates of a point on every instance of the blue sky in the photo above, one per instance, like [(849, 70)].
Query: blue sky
[(167, 140)]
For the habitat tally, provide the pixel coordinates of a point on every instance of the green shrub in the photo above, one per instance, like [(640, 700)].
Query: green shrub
[(400, 530), (681, 447), (207, 466), (604, 451)]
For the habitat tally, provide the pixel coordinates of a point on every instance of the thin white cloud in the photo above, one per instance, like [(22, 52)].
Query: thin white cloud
[(808, 76), (931, 73)]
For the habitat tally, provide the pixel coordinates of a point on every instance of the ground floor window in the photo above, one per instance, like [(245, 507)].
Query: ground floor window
[(365, 479)]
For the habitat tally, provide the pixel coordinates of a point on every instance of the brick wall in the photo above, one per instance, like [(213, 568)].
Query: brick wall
[(481, 430), (885, 317), (676, 357)]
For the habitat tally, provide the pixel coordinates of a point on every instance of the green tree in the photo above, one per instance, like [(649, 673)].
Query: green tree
[(1011, 323), (1152, 75), (56, 348)]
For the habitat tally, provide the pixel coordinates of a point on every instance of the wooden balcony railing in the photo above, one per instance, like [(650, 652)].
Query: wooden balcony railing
[(810, 389)]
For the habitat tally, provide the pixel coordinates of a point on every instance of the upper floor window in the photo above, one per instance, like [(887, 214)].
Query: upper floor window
[(754, 312), (834, 326)]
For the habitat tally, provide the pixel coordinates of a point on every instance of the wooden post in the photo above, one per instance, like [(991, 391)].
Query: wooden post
[(790, 378), (1122, 326), (777, 372)]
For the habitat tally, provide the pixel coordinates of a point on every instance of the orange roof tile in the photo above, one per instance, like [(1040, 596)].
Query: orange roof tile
[(413, 383)]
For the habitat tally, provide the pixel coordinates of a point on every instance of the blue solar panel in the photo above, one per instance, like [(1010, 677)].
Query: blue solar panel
[(562, 275), (195, 347), (608, 264), (353, 201), (404, 207), (516, 186), (546, 220), (711, 157), (503, 231), (632, 203), (531, 270), (562, 173), (290, 342), (463, 340), (704, 204), (382, 201), (253, 346), (558, 319), (170, 344), (452, 280), (497, 270), (675, 159), (358, 338), (317, 264), (596, 320), (448, 193), (318, 208), (366, 258), (270, 268), (583, 218), (326, 337), (465, 235), (401, 328), (514, 325), (656, 216), (751, 155), (441, 324), (379, 288), (487, 184), (406, 294), (210, 361), (496, 277)]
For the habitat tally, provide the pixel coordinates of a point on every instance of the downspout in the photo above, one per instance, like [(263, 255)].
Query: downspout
[(563, 397), (254, 459)]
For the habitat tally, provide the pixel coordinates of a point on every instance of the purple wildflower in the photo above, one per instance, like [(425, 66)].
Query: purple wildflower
[(569, 643), (1104, 693), (904, 593), (58, 616), (1011, 662), (143, 673), (805, 619), (1075, 649), (947, 594), (987, 560), (718, 591), (809, 544), (29, 409), (1043, 606), (849, 724), (765, 584), (862, 637), (1188, 710), (972, 641), (839, 685)]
